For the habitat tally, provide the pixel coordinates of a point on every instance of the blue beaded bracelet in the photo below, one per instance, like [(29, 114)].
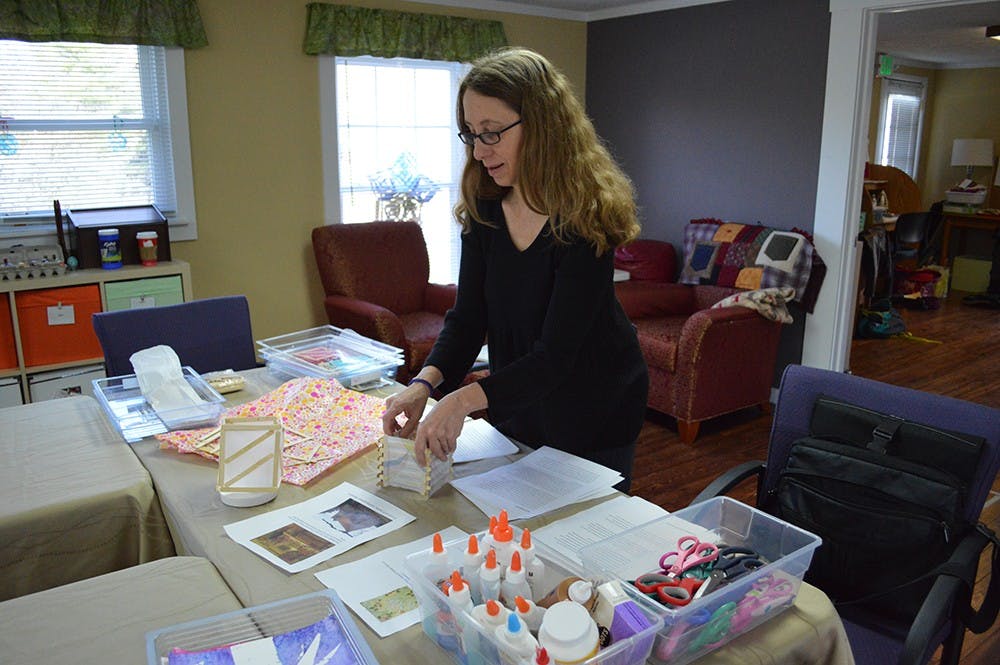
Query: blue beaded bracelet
[(430, 388)]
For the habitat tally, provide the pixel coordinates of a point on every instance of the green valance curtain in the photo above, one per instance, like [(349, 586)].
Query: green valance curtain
[(353, 31), (144, 22)]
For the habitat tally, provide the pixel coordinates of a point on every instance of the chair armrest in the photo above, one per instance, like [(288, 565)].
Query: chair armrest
[(950, 596), (439, 298), (731, 479), (365, 318), (647, 299)]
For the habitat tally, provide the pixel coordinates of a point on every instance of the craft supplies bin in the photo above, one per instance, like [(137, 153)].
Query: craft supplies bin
[(708, 622), (148, 292), (328, 352), (66, 382), (55, 324), (468, 643), (263, 621), (135, 418)]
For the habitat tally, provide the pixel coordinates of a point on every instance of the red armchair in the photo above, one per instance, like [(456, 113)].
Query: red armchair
[(375, 277), (702, 362)]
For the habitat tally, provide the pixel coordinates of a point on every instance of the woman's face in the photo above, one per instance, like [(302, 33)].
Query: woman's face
[(489, 114)]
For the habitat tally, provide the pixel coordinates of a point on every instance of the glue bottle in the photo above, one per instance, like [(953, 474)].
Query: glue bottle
[(530, 613), (489, 577), (568, 633), (515, 582), (471, 562), (503, 540), (515, 640), (459, 596), (532, 564), (438, 570), (490, 615)]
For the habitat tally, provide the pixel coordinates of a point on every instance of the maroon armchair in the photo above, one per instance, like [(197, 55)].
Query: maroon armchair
[(375, 277), (702, 362)]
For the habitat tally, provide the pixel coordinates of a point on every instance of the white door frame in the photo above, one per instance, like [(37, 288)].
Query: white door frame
[(843, 151)]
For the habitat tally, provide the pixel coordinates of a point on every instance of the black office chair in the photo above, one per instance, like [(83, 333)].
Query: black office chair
[(210, 334), (946, 614), (910, 236)]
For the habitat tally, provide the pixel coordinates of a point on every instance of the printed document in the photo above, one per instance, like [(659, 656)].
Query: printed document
[(300, 536), (377, 589), (481, 440), (540, 482)]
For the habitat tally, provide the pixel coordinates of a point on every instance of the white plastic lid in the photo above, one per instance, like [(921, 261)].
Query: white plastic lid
[(145, 235), (580, 591), (107, 232), (568, 632)]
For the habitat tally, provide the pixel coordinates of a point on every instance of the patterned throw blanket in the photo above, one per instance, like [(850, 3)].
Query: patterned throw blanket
[(752, 257), (769, 303)]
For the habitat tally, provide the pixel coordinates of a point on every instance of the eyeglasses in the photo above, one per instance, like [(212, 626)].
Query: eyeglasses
[(487, 138)]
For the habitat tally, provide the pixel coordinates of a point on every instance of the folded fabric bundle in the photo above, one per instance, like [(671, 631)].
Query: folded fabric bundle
[(771, 303)]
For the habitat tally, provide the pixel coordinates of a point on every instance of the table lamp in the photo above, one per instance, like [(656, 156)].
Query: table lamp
[(971, 153)]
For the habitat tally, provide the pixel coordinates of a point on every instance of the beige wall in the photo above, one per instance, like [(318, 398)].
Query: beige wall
[(253, 107), (961, 103)]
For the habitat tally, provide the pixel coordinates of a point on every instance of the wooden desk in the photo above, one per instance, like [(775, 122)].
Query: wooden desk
[(960, 220)]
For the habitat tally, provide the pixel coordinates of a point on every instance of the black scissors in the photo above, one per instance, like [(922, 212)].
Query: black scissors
[(733, 562)]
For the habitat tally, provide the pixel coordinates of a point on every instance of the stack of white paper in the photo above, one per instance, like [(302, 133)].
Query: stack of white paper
[(538, 483)]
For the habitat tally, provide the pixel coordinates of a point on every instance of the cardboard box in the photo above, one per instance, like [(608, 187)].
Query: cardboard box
[(55, 324), (129, 221), (971, 273), (8, 350), (141, 293)]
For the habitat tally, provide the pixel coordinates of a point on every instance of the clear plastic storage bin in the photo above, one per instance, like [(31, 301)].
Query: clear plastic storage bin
[(468, 643), (135, 417), (328, 352), (298, 620), (707, 623)]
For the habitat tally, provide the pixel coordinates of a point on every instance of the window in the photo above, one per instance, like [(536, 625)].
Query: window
[(391, 125), (92, 126), (900, 121)]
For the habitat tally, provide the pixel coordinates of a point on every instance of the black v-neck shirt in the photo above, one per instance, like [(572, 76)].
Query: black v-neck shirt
[(565, 366)]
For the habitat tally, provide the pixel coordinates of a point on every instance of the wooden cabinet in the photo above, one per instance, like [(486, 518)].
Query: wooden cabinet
[(45, 323)]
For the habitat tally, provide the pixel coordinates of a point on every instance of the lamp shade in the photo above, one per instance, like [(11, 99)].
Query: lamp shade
[(972, 152)]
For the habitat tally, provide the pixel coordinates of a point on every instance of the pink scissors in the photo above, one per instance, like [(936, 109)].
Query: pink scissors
[(690, 553)]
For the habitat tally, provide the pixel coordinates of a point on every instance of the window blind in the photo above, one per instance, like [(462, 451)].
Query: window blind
[(901, 122), (87, 124)]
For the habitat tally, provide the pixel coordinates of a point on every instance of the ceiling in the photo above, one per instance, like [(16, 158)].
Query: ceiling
[(938, 38)]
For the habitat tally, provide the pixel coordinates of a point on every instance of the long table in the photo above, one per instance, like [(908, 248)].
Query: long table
[(810, 631), (75, 501)]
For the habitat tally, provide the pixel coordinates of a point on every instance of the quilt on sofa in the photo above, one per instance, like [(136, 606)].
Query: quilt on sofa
[(751, 257)]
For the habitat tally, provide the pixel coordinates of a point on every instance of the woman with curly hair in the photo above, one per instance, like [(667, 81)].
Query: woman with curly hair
[(543, 208)]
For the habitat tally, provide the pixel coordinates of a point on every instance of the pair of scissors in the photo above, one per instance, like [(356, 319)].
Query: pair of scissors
[(677, 591), (690, 553), (732, 562), (716, 629)]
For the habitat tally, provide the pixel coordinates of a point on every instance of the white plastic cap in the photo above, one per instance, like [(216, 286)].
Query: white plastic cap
[(568, 632)]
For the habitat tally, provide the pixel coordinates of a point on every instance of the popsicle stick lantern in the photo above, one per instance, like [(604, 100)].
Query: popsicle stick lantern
[(249, 460)]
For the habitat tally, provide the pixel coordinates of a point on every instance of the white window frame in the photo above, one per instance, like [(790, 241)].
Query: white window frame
[(332, 213), (183, 223), (884, 116)]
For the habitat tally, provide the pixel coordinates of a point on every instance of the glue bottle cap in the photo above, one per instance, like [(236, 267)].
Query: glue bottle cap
[(526, 540), (522, 605), (503, 533), (473, 544), (457, 583), (492, 607), (437, 544)]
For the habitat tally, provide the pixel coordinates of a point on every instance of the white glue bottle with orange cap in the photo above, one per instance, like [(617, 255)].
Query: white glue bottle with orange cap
[(490, 614), (459, 595), (489, 577), (533, 564), (515, 582), (438, 570), (472, 561), (530, 613), (503, 540)]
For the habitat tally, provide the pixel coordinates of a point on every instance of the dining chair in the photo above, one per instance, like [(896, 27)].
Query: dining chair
[(208, 335), (946, 612)]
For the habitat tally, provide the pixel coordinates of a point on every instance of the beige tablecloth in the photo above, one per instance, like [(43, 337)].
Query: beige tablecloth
[(104, 620), (810, 632), (74, 501)]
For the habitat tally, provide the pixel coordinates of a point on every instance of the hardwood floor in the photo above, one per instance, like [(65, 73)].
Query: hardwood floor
[(964, 363)]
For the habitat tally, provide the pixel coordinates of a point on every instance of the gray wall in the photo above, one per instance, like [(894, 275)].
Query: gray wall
[(716, 111)]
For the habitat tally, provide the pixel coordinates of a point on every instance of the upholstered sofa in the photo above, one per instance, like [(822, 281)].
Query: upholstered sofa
[(703, 361)]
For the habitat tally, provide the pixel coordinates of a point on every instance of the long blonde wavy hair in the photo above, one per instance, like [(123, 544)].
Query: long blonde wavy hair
[(564, 170)]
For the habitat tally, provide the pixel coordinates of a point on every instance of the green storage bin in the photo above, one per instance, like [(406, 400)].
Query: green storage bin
[(139, 293)]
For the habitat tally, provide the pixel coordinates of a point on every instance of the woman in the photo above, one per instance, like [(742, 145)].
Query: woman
[(543, 207)]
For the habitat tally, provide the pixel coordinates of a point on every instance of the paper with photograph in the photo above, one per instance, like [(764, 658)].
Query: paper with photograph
[(300, 536), (376, 588)]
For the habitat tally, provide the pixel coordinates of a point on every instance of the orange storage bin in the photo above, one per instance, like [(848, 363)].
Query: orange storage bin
[(55, 324), (8, 352)]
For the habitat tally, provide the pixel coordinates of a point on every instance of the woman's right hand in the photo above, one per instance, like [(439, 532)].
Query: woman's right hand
[(409, 403)]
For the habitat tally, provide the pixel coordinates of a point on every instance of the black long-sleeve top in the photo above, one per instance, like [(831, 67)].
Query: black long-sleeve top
[(565, 366)]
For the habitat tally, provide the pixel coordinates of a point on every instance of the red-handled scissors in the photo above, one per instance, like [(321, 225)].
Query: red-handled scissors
[(690, 553), (668, 590)]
